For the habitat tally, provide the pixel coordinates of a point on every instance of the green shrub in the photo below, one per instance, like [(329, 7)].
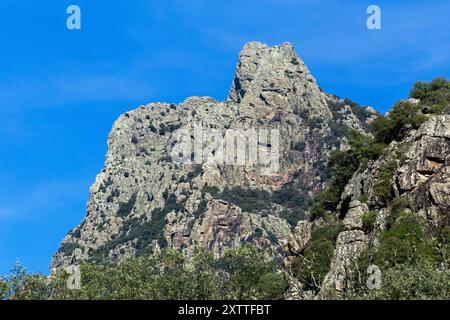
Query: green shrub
[(197, 171), (289, 196), (427, 91), (342, 165), (403, 117), (397, 206), (242, 273), (406, 242), (162, 129), (143, 232), (330, 232), (149, 231), (312, 266), (134, 140), (413, 259), (126, 207), (407, 282), (300, 146), (4, 288), (368, 221), (21, 285), (76, 233), (172, 204), (152, 128), (67, 248), (294, 201), (293, 216), (383, 189), (201, 208), (438, 108), (252, 275), (363, 198), (174, 127), (213, 191), (325, 201), (361, 113), (249, 200)]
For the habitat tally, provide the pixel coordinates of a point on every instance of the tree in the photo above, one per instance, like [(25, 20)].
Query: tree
[(425, 91), (251, 275), (4, 288), (403, 117), (412, 256), (205, 281), (409, 282), (314, 263), (311, 267), (243, 273)]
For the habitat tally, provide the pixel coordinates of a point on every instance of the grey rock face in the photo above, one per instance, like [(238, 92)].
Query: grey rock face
[(353, 218), (422, 163), (301, 236), (349, 246), (268, 74), (428, 163), (142, 200)]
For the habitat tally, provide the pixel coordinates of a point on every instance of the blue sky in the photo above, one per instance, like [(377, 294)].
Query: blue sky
[(61, 90)]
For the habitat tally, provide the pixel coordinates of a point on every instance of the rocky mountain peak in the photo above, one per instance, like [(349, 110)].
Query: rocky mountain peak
[(142, 200), (263, 70)]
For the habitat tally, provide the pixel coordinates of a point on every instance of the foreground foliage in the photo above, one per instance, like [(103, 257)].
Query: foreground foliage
[(313, 264), (242, 273), (414, 259)]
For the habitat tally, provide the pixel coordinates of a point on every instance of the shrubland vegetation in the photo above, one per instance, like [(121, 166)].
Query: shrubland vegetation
[(248, 199), (145, 232), (256, 200), (342, 165), (436, 94), (414, 257), (125, 208), (368, 220), (314, 263), (242, 273), (404, 116)]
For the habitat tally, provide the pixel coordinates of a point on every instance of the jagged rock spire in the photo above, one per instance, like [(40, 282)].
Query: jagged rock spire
[(264, 68)]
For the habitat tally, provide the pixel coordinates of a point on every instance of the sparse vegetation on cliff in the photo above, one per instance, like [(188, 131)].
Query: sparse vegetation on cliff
[(324, 142)]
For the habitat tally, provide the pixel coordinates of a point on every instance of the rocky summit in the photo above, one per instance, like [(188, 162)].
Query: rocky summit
[(143, 200)]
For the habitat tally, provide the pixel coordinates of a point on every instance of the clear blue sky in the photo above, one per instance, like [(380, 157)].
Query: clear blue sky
[(61, 90)]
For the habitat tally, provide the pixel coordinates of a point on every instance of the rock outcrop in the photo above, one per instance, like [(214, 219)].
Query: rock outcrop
[(172, 179), (143, 200), (419, 172)]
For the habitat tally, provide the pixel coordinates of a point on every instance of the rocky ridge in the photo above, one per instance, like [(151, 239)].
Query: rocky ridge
[(420, 175), (142, 200)]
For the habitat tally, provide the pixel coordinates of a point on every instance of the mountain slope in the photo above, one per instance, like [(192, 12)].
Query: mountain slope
[(392, 213), (143, 200)]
